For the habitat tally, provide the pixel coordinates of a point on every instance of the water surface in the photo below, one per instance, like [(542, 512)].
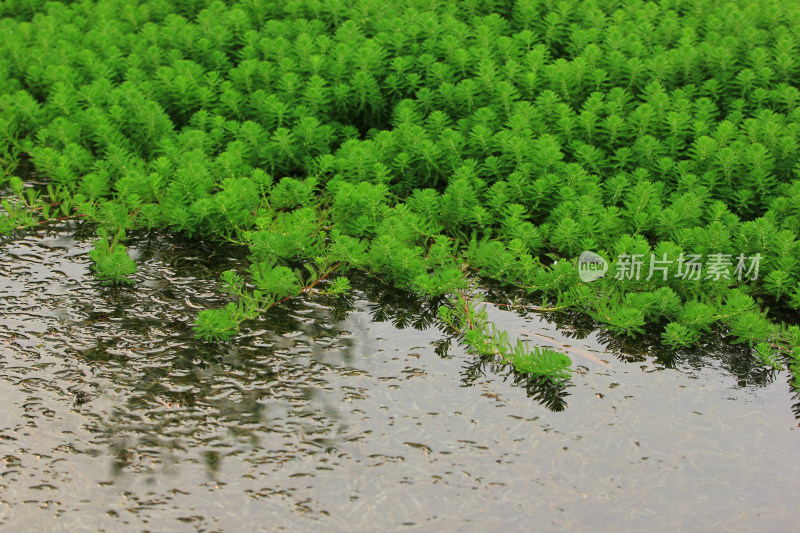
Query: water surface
[(352, 414)]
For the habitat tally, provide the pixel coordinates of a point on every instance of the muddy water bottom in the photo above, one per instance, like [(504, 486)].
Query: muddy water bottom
[(347, 415)]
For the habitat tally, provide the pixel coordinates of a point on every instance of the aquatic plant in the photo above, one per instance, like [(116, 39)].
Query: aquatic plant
[(112, 263), (430, 145), (467, 317)]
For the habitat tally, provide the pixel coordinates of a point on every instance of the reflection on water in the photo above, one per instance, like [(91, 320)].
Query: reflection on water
[(356, 414)]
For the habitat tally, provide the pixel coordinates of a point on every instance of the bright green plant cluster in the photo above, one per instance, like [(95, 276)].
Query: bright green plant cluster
[(421, 141)]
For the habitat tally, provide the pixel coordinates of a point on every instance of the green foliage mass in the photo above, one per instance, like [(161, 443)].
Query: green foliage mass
[(420, 141)]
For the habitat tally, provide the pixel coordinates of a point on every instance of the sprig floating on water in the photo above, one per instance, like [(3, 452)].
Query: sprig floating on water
[(468, 317)]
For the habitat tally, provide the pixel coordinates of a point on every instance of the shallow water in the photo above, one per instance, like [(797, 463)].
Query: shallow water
[(348, 415)]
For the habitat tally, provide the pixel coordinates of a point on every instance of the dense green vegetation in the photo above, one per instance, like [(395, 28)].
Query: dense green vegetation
[(428, 143)]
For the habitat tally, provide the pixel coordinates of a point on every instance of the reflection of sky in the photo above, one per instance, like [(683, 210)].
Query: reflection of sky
[(323, 418)]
